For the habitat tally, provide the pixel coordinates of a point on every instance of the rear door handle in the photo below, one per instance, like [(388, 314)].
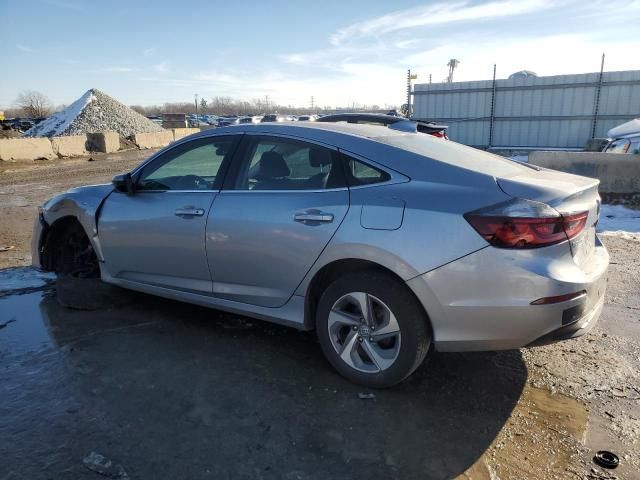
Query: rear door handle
[(190, 211), (313, 217)]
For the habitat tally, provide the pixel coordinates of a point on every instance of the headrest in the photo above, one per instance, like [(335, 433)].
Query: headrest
[(272, 165), (319, 158)]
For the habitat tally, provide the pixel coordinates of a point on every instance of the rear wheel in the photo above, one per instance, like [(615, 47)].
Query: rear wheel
[(372, 329)]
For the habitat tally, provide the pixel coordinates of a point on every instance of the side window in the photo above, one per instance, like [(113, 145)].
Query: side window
[(618, 146), (273, 163), (191, 166), (360, 173)]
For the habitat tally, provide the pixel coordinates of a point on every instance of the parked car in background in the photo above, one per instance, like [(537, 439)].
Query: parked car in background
[(23, 124), (241, 120), (401, 123), (388, 243), (307, 118), (273, 117), (626, 138)]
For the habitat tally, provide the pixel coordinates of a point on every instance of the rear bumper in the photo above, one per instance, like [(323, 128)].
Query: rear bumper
[(573, 330), (483, 301)]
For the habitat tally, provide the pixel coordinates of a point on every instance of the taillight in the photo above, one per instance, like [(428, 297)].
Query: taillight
[(523, 223), (440, 134)]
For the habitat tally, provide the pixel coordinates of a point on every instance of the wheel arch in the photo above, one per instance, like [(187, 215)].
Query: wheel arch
[(333, 270), (53, 234)]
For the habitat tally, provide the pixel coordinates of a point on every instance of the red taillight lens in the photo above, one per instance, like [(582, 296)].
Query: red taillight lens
[(440, 134), (528, 231), (573, 224)]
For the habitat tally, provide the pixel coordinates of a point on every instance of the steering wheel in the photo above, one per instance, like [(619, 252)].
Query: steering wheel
[(191, 182)]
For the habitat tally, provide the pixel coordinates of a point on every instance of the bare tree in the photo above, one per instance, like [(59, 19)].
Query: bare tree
[(34, 104)]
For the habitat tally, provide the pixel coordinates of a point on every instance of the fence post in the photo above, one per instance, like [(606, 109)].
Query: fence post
[(493, 107), (596, 102)]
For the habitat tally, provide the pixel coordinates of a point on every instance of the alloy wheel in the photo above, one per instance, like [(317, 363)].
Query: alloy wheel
[(364, 332)]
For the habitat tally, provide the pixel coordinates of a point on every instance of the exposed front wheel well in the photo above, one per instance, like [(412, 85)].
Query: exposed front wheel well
[(67, 250), (331, 272)]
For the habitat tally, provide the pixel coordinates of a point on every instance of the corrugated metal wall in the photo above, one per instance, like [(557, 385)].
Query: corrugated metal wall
[(542, 112)]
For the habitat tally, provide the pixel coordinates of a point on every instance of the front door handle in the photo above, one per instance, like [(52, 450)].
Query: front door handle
[(190, 212), (313, 217)]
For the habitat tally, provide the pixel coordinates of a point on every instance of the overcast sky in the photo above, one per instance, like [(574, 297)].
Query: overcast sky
[(338, 51)]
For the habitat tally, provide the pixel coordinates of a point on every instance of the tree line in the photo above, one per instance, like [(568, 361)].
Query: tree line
[(35, 104)]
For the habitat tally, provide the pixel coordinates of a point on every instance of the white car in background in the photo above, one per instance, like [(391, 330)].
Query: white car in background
[(626, 138)]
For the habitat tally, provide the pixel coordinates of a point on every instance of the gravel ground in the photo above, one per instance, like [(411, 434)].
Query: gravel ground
[(172, 390)]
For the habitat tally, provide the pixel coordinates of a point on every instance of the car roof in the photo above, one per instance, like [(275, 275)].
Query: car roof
[(312, 130)]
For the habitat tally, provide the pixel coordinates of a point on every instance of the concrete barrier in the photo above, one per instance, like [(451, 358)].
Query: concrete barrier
[(179, 133), (154, 139), (71, 146), (618, 173), (106, 142), (12, 149)]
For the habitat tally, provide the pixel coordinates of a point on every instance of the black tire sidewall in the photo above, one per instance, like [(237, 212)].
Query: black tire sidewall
[(413, 322)]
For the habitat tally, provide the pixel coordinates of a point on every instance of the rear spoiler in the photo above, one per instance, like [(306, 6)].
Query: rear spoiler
[(413, 126)]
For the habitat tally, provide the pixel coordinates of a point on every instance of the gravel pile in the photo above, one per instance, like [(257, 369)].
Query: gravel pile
[(91, 113)]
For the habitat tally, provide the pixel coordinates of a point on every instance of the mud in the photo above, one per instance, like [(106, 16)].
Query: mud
[(169, 390)]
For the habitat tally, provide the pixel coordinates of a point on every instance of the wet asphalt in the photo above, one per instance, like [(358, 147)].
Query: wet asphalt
[(169, 390)]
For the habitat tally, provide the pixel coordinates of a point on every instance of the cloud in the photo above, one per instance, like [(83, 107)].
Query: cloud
[(162, 67), (118, 69), (24, 48), (148, 52), (435, 14)]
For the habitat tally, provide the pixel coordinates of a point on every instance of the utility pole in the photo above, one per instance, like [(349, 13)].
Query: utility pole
[(596, 105), (453, 63), (312, 103), (409, 78), (196, 96)]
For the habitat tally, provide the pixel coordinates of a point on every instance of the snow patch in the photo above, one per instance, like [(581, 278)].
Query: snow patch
[(520, 158), (618, 219), (58, 123), (22, 278)]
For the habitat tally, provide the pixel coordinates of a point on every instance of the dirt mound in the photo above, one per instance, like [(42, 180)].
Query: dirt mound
[(94, 112)]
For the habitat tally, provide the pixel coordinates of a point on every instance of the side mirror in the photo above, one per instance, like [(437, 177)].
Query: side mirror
[(124, 183)]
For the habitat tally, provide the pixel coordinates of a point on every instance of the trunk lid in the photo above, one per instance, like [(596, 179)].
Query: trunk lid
[(566, 193)]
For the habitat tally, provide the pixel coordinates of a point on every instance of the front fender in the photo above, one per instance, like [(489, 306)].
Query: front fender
[(82, 203)]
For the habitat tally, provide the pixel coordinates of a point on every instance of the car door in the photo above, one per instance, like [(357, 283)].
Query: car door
[(282, 202), (157, 235)]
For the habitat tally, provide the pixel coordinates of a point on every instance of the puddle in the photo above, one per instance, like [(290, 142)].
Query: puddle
[(559, 411), (544, 438), (25, 328), (24, 280)]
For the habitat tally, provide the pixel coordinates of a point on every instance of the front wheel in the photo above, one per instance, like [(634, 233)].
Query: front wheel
[(372, 329)]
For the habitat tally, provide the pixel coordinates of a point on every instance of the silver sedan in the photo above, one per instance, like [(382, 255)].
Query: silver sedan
[(388, 243)]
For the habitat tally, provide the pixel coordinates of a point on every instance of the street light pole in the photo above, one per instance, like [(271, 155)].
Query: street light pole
[(196, 96)]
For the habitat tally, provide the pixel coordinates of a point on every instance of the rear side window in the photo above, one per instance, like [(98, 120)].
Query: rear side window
[(276, 163), (360, 173)]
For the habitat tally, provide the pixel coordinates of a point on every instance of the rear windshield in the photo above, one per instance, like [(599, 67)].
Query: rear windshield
[(454, 154)]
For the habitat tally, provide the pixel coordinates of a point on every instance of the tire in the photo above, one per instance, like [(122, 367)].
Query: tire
[(72, 253), (384, 358)]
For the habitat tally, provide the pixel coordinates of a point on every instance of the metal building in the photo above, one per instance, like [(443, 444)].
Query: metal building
[(561, 111)]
